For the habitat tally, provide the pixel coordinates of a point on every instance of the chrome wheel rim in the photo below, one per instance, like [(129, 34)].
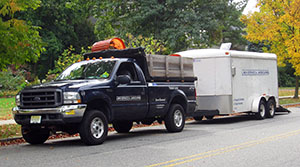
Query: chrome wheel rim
[(262, 110), (97, 128), (178, 118), (272, 109)]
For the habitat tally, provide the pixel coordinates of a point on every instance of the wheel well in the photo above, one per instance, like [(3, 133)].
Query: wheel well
[(264, 99), (99, 104), (180, 100)]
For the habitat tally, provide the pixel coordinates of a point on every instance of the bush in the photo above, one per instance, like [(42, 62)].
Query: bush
[(10, 81), (286, 77)]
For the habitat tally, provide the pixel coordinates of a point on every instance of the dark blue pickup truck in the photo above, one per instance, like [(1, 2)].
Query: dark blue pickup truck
[(109, 87)]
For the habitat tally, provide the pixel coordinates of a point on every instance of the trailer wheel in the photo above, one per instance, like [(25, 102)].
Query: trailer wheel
[(122, 126), (35, 136), (93, 128), (175, 118), (198, 118), (261, 114), (270, 110)]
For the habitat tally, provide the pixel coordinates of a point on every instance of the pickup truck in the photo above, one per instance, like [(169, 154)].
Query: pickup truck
[(108, 87)]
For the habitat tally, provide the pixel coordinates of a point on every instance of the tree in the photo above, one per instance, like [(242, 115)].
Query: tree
[(151, 45), (63, 23), (20, 41), (180, 24), (67, 58), (277, 25)]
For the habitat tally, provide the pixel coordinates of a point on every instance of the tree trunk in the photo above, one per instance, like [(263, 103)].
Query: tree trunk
[(296, 88)]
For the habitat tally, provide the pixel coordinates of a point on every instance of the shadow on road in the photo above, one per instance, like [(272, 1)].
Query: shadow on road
[(233, 119), (75, 141), (147, 131)]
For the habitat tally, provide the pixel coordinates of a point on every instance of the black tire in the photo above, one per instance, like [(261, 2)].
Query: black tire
[(198, 118), (270, 110), (122, 126), (261, 114), (209, 117), (35, 136), (175, 118), (93, 128)]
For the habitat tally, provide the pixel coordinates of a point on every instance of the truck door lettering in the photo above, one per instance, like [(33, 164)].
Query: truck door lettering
[(128, 98)]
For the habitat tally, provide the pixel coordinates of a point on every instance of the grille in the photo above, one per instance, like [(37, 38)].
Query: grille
[(41, 98)]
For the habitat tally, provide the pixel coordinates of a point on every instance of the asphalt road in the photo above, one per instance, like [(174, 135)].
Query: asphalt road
[(227, 142)]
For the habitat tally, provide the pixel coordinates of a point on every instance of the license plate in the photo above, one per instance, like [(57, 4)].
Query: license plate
[(35, 119)]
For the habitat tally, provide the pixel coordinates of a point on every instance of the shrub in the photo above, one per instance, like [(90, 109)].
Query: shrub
[(10, 81)]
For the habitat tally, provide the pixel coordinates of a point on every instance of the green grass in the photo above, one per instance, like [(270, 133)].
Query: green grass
[(6, 104), (289, 101), (286, 91)]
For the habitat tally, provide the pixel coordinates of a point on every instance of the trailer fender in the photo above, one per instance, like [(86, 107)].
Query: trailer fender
[(255, 103)]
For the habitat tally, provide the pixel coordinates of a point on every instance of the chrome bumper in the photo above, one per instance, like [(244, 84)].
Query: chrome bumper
[(67, 111)]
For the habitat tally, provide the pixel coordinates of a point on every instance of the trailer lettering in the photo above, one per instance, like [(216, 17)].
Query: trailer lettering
[(255, 72)]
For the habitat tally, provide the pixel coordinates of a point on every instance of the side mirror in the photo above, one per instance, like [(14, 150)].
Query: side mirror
[(123, 79)]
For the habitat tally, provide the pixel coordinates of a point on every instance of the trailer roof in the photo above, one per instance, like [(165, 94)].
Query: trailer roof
[(209, 53)]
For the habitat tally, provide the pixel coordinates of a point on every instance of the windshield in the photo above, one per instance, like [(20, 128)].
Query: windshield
[(96, 69)]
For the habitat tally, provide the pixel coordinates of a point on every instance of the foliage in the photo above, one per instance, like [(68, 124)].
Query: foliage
[(286, 77), (151, 45), (20, 41), (67, 58), (63, 23), (180, 24), (12, 81), (277, 25)]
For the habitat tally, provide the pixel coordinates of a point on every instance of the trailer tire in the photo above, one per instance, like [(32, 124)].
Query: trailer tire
[(261, 114), (35, 136), (122, 126), (199, 118), (93, 128), (175, 118), (270, 110)]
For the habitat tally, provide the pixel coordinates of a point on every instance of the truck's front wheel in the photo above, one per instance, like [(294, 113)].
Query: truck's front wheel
[(175, 119), (122, 126), (93, 128), (36, 135)]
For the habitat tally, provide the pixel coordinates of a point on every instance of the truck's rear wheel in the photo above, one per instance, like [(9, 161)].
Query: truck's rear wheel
[(270, 110), (175, 118), (36, 135), (93, 128), (122, 126), (261, 114), (198, 118)]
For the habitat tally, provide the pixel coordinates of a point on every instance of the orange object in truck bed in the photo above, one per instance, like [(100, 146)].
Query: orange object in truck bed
[(114, 43)]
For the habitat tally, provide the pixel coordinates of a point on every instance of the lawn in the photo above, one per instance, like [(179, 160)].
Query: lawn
[(6, 104), (287, 91)]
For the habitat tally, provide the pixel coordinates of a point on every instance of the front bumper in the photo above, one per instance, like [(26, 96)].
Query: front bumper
[(51, 116)]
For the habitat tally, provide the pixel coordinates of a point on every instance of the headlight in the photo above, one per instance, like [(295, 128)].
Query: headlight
[(18, 101), (71, 98)]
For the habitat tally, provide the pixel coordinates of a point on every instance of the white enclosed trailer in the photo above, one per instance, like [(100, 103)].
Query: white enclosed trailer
[(233, 82)]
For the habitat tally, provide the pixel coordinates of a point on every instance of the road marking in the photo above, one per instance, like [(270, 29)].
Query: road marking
[(224, 150)]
